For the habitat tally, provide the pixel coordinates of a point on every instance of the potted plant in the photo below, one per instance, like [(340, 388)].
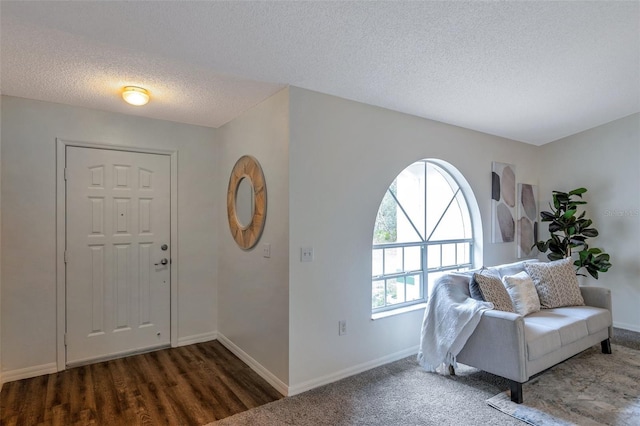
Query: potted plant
[(569, 232)]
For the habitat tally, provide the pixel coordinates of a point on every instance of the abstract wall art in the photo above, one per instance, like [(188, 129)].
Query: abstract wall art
[(527, 225), (503, 202)]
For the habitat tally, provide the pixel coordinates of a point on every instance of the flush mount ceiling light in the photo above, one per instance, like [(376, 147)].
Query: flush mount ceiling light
[(135, 95)]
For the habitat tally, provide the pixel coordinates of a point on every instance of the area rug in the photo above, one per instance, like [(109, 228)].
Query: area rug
[(589, 389)]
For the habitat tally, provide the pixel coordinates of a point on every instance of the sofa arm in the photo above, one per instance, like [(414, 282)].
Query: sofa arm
[(497, 346), (598, 297)]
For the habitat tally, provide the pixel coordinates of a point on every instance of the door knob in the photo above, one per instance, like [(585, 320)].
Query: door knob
[(162, 262), (164, 247)]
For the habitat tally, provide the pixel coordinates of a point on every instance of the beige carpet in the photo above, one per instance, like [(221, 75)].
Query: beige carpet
[(402, 393), (589, 389)]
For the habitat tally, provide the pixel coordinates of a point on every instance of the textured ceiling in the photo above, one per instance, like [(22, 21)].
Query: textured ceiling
[(529, 71)]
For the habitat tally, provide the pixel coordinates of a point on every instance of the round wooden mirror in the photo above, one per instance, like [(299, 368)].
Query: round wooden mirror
[(246, 202)]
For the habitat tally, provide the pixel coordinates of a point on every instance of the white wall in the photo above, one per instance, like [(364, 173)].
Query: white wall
[(343, 156), (1, 382), (253, 290), (29, 132), (606, 161)]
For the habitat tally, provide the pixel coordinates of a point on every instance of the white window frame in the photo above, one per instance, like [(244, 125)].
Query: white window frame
[(474, 244)]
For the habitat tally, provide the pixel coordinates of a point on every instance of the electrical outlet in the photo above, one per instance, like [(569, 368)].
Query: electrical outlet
[(306, 254), (342, 327), (266, 250)]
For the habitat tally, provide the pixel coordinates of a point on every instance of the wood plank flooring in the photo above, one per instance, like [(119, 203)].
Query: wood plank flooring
[(190, 385)]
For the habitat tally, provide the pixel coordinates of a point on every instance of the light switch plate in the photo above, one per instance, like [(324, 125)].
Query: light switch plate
[(306, 254)]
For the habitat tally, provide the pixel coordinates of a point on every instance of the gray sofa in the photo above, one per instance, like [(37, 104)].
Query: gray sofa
[(517, 347)]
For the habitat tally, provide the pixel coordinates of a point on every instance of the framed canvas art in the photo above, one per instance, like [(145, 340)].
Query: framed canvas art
[(503, 202), (527, 225)]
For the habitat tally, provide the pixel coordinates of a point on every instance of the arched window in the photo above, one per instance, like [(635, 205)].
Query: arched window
[(424, 229)]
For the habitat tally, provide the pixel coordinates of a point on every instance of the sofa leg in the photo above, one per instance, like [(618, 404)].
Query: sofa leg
[(452, 371), (516, 391), (606, 346)]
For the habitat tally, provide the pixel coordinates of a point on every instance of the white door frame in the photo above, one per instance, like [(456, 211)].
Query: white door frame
[(61, 213)]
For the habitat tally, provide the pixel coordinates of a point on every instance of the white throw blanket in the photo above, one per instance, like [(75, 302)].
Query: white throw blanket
[(449, 319)]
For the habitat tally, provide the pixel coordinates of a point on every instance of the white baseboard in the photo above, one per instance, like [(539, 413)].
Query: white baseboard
[(626, 326), (278, 384), (27, 373), (356, 369), (197, 338)]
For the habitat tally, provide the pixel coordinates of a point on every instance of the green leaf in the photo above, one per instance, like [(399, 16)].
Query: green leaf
[(547, 216), (578, 192), (569, 213), (542, 246), (590, 232), (555, 256), (583, 256)]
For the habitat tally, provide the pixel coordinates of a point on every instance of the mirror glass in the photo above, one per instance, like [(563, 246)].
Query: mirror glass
[(245, 203)]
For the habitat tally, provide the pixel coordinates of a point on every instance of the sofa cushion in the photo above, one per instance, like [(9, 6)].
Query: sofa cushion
[(511, 268), (541, 340), (556, 283), (522, 292), (596, 318), (570, 328), (492, 290)]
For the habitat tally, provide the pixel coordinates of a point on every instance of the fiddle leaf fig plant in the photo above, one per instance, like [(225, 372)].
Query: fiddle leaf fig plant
[(569, 231)]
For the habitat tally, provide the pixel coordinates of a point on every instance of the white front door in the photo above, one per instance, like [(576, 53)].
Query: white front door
[(118, 252)]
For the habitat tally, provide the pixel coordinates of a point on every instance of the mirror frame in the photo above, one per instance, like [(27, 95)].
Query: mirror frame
[(247, 167)]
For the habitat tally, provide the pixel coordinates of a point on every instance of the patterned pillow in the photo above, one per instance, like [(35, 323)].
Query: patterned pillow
[(556, 283), (474, 288), (493, 291), (522, 292)]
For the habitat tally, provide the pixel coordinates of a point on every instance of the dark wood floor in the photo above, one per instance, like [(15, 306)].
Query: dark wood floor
[(190, 385)]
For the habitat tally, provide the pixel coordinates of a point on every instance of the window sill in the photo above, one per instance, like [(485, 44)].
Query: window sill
[(398, 311)]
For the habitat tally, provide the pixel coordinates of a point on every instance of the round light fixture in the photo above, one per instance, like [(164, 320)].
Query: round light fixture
[(135, 95)]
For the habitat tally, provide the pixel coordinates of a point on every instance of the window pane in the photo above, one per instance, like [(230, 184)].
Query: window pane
[(395, 291), (412, 258), (463, 253), (393, 260), (377, 300), (464, 215), (376, 262), (410, 192), (413, 288), (433, 256), (448, 254), (385, 230), (439, 194)]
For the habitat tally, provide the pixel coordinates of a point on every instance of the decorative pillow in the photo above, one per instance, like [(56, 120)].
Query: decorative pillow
[(493, 291), (474, 288), (522, 292), (556, 283)]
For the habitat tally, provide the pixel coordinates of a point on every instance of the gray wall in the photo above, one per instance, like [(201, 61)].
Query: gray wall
[(606, 161), (253, 290), (29, 132), (343, 156), (1, 382)]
